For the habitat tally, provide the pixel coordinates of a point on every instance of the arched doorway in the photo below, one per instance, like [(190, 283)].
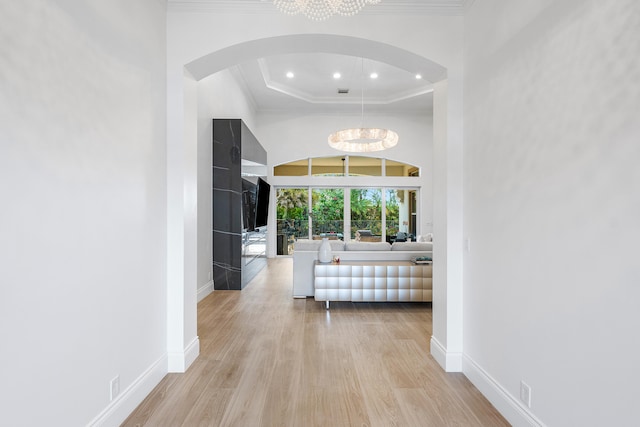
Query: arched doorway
[(182, 185)]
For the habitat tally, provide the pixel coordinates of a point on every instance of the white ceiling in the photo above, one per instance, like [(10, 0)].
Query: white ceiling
[(313, 87)]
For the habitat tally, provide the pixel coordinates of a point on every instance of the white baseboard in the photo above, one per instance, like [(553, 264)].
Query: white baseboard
[(509, 406), (205, 290), (449, 361), (124, 404), (180, 361)]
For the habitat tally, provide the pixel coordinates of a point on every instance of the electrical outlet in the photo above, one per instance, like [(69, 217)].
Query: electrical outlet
[(525, 394), (114, 387)]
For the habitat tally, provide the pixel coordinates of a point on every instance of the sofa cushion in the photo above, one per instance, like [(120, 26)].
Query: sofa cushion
[(337, 245), (412, 246), (367, 246), (314, 245)]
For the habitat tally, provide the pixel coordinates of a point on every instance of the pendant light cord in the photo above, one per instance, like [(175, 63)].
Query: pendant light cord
[(362, 93)]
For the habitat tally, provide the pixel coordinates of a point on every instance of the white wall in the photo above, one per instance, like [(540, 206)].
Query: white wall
[(220, 97), (82, 246), (552, 94)]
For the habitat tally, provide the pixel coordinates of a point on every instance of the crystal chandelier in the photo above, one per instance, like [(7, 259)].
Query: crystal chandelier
[(363, 140), (319, 10)]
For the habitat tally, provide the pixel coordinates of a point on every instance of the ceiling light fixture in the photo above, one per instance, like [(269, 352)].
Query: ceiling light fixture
[(290, 75), (319, 10), (363, 140), (336, 76), (374, 75)]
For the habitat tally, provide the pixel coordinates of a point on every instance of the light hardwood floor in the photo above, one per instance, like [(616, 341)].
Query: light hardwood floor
[(267, 359)]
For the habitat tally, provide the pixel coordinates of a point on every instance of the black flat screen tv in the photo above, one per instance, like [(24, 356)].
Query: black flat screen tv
[(262, 205), (249, 200)]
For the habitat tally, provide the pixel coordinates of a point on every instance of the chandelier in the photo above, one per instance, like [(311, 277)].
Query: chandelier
[(319, 10), (363, 140)]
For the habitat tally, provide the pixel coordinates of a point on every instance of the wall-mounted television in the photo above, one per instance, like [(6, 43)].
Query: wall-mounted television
[(249, 199), (262, 205)]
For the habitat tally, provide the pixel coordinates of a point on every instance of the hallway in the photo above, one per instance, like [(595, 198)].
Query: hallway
[(267, 359)]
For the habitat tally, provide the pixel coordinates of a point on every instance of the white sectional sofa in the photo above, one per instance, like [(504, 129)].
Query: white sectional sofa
[(380, 254)]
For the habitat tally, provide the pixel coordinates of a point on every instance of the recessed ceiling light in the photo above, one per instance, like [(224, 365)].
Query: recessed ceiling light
[(337, 75), (289, 75), (418, 76), (374, 75)]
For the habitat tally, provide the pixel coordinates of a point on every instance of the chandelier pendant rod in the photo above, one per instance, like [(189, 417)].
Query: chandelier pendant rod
[(362, 93), (363, 139)]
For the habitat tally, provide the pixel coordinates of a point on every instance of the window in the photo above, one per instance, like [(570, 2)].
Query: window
[(369, 214), (346, 165), (328, 166), (366, 214), (400, 211), (328, 213), (297, 168), (365, 166), (394, 200), (292, 217)]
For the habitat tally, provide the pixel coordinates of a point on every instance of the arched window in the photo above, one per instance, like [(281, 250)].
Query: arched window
[(346, 166)]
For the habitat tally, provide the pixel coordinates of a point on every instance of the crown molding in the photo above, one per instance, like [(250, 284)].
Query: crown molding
[(393, 7)]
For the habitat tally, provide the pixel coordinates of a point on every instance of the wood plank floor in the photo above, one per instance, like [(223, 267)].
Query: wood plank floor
[(267, 359)]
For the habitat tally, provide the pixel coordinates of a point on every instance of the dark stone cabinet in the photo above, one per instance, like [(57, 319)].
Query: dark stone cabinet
[(233, 142)]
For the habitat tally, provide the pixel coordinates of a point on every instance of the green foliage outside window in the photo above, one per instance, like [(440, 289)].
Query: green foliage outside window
[(366, 210), (292, 211), (328, 210)]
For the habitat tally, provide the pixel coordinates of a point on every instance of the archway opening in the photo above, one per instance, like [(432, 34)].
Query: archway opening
[(185, 224)]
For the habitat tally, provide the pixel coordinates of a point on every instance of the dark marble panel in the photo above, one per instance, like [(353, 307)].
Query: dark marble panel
[(227, 272), (227, 205), (231, 138), (227, 208)]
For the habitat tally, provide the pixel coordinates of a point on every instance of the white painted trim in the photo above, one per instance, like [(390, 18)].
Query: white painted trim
[(180, 361), (205, 290), (509, 406), (449, 361), (397, 7), (438, 352), (192, 352), (126, 402)]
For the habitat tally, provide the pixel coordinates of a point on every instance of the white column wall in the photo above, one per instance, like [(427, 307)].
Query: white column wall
[(83, 217), (446, 346), (552, 94)]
